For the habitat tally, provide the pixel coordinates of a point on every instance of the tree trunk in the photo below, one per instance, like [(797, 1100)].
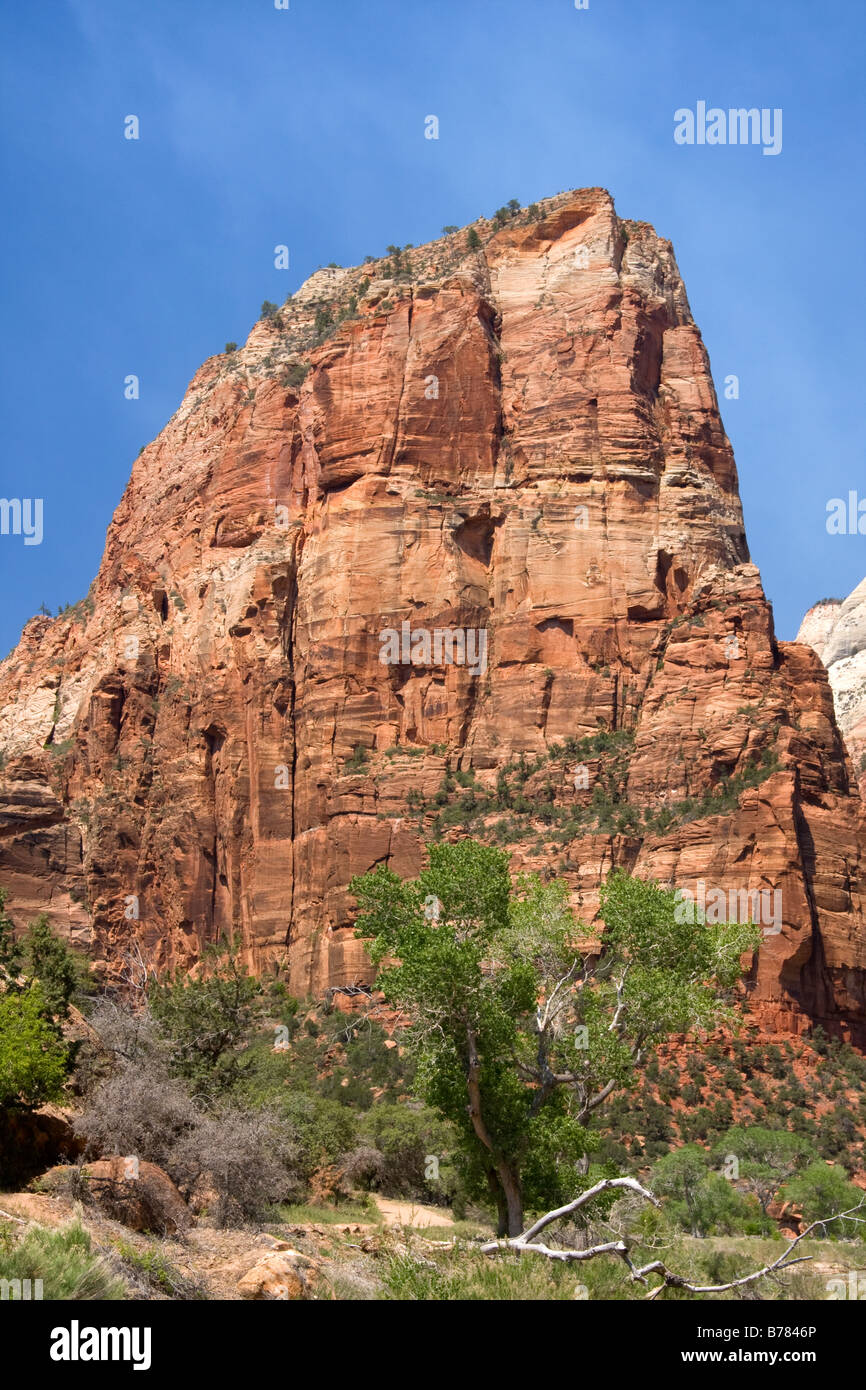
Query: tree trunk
[(499, 1202), (504, 1179), (513, 1200)]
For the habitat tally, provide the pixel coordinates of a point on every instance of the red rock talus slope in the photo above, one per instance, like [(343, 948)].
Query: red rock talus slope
[(523, 440)]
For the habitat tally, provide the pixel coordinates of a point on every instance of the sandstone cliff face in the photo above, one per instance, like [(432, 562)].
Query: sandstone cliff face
[(836, 630), (524, 442)]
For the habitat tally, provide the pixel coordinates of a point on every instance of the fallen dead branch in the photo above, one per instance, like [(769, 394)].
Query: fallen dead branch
[(669, 1279)]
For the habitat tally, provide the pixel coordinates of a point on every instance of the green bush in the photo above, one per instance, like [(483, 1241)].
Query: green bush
[(207, 1020), (296, 373), (358, 759), (63, 1259), (821, 1191), (33, 1059)]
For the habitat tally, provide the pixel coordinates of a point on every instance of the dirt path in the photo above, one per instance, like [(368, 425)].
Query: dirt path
[(411, 1213)]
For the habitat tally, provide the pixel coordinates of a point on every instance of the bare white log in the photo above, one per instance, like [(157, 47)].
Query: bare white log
[(669, 1279)]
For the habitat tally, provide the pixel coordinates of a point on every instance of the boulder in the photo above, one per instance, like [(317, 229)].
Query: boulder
[(140, 1195), (283, 1275)]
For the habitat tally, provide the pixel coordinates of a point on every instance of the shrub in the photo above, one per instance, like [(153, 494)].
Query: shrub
[(50, 961), (473, 240), (702, 1202), (366, 1167), (323, 1130), (33, 1059), (152, 1272), (822, 1190), (207, 1021), (358, 759), (296, 373), (405, 1139), (140, 1109), (248, 1156), (63, 1259), (231, 347), (324, 321), (126, 1034), (10, 950)]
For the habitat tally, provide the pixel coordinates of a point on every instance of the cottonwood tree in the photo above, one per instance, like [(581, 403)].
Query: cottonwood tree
[(522, 1021)]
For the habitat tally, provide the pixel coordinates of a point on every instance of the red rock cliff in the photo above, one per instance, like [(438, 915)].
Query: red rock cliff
[(523, 441)]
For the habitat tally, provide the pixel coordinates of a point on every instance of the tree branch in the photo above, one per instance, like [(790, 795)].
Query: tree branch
[(669, 1279)]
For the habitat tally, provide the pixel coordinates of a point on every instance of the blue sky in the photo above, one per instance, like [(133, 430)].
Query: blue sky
[(306, 127)]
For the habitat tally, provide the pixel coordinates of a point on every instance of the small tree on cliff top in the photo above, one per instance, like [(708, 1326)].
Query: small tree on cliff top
[(519, 1032)]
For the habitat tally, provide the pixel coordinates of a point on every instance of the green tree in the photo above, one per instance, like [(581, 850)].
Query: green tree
[(519, 1033), (269, 310), (50, 961), (822, 1188), (11, 960), (679, 1176), (473, 240), (324, 320), (766, 1157), (702, 1202), (33, 1059), (207, 1020)]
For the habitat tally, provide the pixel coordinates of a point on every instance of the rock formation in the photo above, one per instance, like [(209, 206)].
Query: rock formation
[(836, 630), (520, 445)]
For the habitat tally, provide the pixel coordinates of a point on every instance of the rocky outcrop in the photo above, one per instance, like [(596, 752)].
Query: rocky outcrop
[(520, 445), (836, 630)]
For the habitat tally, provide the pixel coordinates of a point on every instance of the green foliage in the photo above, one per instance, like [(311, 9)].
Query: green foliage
[(63, 1259), (269, 310), (231, 347), (50, 961), (822, 1190), (767, 1157), (33, 1059), (324, 322), (358, 760), (39, 975), (406, 1138), (508, 1047), (473, 240), (296, 373), (11, 960), (703, 1202), (207, 1019)]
